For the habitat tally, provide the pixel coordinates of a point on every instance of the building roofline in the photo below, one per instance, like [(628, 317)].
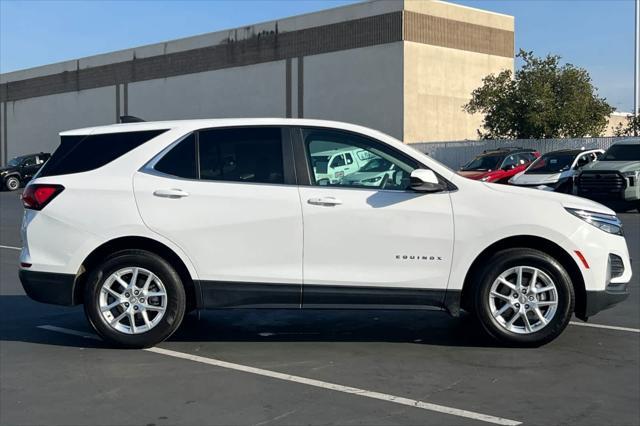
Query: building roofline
[(462, 6), (199, 40), (326, 17)]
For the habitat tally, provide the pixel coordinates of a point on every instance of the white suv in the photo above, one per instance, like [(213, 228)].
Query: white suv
[(143, 222)]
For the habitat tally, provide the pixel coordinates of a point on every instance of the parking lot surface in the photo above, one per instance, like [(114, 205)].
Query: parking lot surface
[(264, 367)]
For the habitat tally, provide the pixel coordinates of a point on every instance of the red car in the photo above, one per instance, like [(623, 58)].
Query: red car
[(498, 165)]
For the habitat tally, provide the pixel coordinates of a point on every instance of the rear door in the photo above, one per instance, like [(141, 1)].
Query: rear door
[(371, 244), (29, 167), (228, 198)]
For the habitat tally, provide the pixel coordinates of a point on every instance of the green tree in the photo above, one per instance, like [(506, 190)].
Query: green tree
[(542, 100), (630, 128)]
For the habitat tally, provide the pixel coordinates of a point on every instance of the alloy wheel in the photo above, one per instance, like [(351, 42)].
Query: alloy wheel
[(132, 300), (13, 184), (523, 299)]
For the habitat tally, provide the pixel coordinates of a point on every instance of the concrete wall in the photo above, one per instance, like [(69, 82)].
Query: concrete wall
[(404, 67), (251, 91), (616, 120), (438, 81), (34, 124), (361, 86)]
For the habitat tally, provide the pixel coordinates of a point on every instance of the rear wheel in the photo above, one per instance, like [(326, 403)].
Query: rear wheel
[(12, 183), (134, 299), (524, 297)]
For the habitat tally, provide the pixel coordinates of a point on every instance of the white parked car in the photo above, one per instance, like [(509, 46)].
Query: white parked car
[(143, 222), (332, 165), (371, 174), (556, 170)]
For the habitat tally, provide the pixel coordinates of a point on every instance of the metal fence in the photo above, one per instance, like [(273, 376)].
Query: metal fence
[(455, 154)]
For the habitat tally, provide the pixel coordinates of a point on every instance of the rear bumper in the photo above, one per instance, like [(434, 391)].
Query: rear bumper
[(49, 287), (600, 300)]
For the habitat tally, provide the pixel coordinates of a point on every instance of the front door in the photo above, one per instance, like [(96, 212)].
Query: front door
[(369, 240), (29, 167), (224, 196)]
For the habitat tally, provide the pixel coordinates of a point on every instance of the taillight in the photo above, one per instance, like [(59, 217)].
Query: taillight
[(37, 196)]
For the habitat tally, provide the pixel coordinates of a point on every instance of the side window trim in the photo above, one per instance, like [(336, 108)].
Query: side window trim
[(303, 167), (286, 141)]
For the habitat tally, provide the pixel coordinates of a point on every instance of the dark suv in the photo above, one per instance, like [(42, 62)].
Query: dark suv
[(21, 169)]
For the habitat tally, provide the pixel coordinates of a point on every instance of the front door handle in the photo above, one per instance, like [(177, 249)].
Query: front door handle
[(324, 201), (170, 193)]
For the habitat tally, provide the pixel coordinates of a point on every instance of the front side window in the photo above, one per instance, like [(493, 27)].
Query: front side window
[(510, 162), (29, 161), (584, 160), (374, 165), (338, 161)]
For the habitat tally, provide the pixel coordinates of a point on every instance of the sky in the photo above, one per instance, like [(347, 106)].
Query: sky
[(593, 34)]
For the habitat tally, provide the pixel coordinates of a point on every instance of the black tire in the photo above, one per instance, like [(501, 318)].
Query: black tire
[(12, 183), (176, 299), (509, 258)]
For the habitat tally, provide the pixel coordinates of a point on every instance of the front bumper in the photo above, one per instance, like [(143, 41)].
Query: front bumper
[(48, 287), (597, 301)]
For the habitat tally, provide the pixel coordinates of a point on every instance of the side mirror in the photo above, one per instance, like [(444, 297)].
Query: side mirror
[(423, 180)]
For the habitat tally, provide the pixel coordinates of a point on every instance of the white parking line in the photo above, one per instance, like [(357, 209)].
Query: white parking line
[(311, 382), (10, 247), (607, 327)]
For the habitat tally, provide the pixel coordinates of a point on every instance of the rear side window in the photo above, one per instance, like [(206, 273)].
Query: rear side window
[(83, 153), (180, 161), (252, 154)]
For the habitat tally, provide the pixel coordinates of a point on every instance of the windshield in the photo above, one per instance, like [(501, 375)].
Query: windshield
[(621, 152), (15, 162), (551, 163), (376, 165), (484, 162)]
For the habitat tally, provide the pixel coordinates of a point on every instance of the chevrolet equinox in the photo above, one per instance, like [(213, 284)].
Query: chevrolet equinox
[(143, 222)]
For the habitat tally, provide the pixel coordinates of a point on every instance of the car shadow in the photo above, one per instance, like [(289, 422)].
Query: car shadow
[(21, 319)]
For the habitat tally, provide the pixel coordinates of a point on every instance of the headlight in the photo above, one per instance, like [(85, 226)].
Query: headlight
[(632, 177), (606, 222), (484, 179), (373, 179)]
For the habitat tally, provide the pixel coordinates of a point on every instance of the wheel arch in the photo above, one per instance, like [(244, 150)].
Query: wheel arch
[(10, 175), (532, 242), (141, 243)]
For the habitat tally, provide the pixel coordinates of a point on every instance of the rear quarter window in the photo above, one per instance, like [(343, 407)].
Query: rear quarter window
[(83, 153)]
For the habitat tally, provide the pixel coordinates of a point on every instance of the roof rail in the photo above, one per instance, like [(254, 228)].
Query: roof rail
[(503, 148), (130, 119)]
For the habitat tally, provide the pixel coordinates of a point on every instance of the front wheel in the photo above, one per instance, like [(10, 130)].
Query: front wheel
[(524, 297), (134, 299), (12, 183)]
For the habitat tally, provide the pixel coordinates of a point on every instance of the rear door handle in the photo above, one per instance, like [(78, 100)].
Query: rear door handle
[(324, 201), (170, 193)]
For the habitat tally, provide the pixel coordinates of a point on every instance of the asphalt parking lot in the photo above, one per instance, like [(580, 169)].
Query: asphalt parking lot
[(264, 367)]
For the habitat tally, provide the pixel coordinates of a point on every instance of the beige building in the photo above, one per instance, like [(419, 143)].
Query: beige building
[(403, 67), (616, 120)]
